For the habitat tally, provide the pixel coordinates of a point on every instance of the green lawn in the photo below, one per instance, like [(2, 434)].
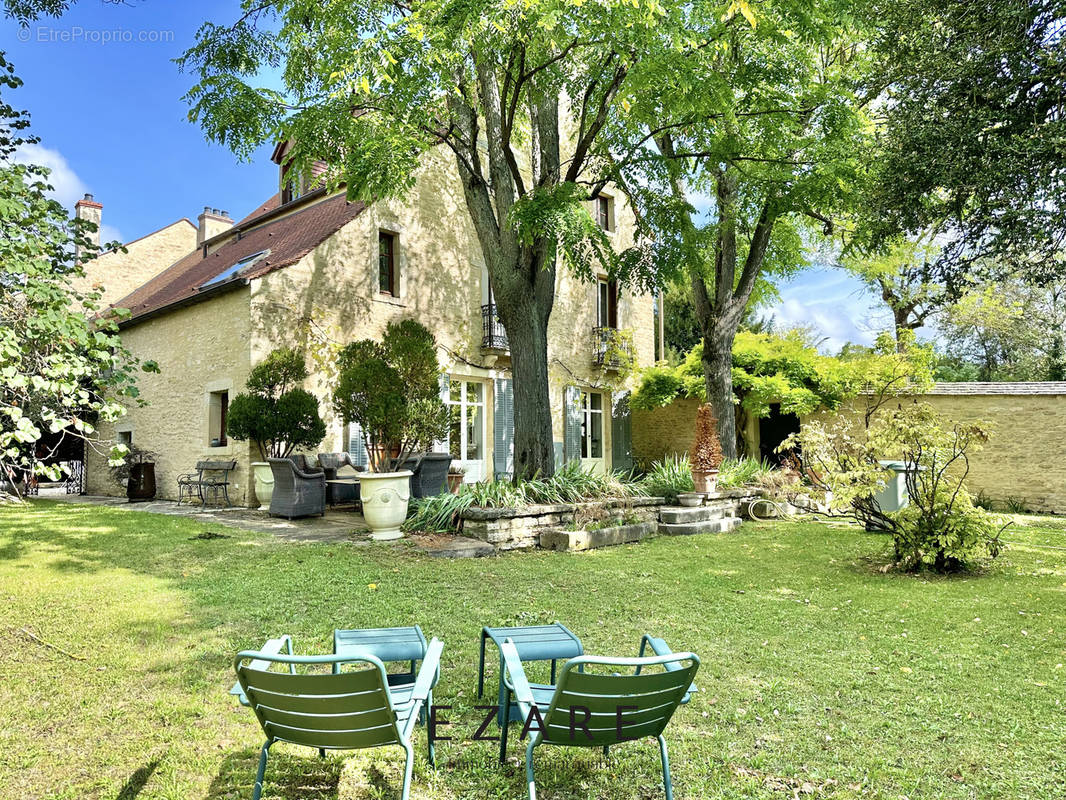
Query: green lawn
[(821, 676)]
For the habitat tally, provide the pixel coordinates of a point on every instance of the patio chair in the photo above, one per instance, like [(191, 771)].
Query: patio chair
[(429, 473), (344, 709), (296, 493), (331, 463), (590, 709)]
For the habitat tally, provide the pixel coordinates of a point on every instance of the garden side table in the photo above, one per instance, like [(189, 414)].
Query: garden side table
[(533, 643), (388, 644)]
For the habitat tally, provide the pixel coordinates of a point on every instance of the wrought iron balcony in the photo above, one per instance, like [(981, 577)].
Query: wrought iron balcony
[(611, 349), (493, 335)]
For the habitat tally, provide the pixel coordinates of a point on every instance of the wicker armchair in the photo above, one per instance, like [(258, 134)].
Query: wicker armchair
[(430, 474), (296, 493), (336, 494)]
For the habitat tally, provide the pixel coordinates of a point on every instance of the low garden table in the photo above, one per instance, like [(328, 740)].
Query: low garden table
[(388, 644), (533, 643)]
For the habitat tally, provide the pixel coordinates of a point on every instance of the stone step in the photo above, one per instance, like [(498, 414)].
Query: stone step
[(723, 525), (675, 515)]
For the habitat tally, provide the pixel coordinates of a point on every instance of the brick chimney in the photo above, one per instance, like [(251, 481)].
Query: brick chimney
[(91, 211), (211, 223)]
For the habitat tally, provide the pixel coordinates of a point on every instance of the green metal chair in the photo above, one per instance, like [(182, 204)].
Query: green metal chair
[(344, 709), (589, 709)]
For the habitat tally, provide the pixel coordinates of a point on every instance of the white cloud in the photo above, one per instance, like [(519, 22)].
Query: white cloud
[(833, 303), (67, 187)]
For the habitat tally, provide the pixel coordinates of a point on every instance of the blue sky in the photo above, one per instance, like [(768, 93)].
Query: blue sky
[(105, 99)]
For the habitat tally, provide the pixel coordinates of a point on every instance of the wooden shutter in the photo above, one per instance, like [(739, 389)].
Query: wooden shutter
[(621, 433), (356, 447), (503, 428), (572, 413), (444, 445)]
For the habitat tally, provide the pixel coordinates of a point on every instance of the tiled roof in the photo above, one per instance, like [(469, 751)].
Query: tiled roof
[(288, 238), (1000, 387), (269, 205)]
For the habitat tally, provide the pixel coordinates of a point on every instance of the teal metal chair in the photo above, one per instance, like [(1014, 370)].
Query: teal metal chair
[(343, 709), (588, 708)]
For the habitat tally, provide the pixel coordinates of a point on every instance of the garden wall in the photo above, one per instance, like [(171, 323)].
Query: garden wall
[(664, 431), (520, 528), (1026, 456)]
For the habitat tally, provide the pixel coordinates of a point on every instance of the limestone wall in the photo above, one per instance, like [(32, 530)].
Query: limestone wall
[(1026, 456), (120, 273), (200, 349), (664, 431)]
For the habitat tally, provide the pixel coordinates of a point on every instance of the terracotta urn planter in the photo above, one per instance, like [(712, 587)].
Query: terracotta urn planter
[(385, 496), (705, 482)]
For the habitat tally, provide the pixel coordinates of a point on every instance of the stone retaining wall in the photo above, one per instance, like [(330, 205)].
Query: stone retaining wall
[(519, 528)]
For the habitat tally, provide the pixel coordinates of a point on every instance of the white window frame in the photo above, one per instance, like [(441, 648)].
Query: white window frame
[(463, 403), (587, 415)]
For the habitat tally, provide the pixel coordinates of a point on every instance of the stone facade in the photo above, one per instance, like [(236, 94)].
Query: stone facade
[(201, 350), (118, 274), (331, 297)]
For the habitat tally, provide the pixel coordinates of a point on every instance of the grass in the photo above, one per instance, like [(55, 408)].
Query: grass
[(821, 676)]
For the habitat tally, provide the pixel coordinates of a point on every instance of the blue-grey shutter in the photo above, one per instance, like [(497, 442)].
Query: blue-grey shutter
[(503, 429), (572, 415), (356, 446), (621, 433), (444, 445)]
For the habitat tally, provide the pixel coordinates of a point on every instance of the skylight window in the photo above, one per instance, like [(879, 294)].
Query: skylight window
[(230, 272)]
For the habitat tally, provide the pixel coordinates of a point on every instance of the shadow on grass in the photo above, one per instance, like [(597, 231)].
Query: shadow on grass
[(299, 774), (137, 781)]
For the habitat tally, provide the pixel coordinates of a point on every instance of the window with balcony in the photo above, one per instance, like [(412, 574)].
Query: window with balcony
[(607, 304)]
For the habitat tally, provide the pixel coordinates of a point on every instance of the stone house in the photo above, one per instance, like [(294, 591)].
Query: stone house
[(310, 269)]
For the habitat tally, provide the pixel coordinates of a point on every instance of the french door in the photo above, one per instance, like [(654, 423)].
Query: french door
[(592, 442), (466, 437)]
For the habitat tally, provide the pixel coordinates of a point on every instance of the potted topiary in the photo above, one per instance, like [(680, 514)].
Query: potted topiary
[(705, 456), (391, 390), (276, 414)]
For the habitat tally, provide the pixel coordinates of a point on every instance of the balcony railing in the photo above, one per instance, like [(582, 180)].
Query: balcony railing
[(493, 335), (610, 348)]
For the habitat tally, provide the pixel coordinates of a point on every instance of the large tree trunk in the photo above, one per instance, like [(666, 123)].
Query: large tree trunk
[(527, 331), (718, 376)]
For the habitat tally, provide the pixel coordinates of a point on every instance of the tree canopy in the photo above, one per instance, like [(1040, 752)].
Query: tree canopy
[(63, 369), (973, 129)]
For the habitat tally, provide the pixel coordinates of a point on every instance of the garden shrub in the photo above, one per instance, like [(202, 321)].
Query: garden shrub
[(941, 527), (276, 413)]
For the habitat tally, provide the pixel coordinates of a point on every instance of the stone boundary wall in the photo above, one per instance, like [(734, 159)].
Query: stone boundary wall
[(1026, 456), (664, 431), (520, 528)]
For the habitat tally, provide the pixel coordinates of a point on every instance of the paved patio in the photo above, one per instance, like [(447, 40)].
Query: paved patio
[(341, 524)]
